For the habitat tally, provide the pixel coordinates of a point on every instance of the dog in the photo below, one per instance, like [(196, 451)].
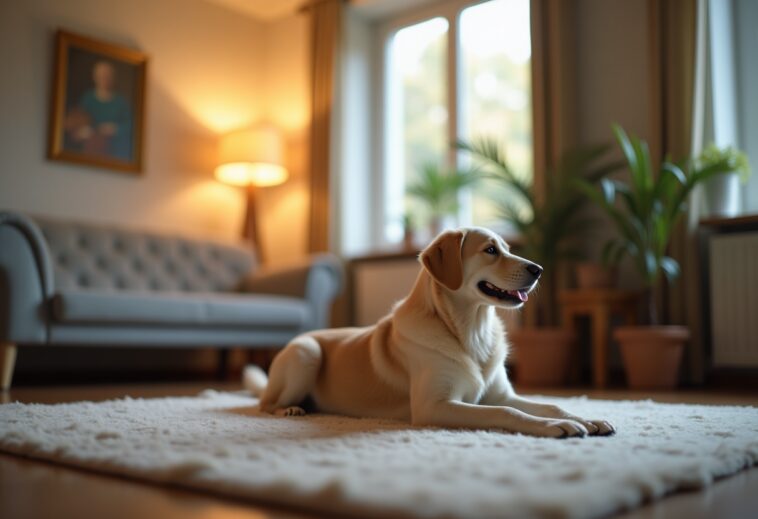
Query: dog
[(438, 358)]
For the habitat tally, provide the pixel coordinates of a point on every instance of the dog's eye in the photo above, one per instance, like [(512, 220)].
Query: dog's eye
[(491, 250)]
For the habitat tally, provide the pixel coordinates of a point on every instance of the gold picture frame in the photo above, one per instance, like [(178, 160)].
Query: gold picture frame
[(97, 113)]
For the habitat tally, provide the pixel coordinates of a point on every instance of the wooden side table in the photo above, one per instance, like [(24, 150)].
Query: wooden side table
[(600, 305)]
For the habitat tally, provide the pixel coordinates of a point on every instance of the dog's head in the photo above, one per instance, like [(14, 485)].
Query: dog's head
[(477, 263)]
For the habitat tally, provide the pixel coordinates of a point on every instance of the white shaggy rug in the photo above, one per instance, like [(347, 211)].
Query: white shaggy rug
[(216, 442)]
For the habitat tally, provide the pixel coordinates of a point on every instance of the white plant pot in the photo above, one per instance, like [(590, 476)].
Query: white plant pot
[(722, 195)]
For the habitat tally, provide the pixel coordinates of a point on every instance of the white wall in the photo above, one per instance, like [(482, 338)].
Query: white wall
[(204, 78)]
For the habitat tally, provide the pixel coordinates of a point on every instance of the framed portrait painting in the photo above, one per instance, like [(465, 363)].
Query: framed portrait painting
[(97, 113)]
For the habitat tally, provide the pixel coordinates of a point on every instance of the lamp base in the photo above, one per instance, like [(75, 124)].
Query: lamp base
[(250, 230)]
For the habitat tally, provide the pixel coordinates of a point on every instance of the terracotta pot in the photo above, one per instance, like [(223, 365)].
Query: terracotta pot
[(652, 354), (542, 355), (594, 275)]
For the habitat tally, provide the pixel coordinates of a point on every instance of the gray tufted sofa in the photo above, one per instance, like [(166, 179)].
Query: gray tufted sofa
[(64, 283)]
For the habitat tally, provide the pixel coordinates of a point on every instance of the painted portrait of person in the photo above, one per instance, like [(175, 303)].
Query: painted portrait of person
[(99, 102), (100, 121)]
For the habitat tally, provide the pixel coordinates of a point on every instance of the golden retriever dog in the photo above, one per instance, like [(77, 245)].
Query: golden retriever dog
[(438, 359)]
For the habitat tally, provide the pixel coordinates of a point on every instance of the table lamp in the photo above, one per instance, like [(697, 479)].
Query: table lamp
[(252, 158)]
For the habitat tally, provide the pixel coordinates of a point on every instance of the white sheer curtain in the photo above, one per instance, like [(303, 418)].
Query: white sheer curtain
[(724, 109)]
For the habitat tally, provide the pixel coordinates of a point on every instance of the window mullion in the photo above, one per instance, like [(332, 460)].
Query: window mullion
[(454, 107), (453, 76)]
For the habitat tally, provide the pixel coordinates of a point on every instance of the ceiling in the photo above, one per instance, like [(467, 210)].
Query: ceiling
[(269, 10), (265, 10)]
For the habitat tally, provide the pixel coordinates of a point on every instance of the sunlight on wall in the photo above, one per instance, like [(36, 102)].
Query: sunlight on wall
[(216, 77), (218, 106), (222, 113), (287, 74), (211, 209), (283, 210), (284, 216)]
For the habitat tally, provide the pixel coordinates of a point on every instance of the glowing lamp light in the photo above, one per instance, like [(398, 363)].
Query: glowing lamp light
[(256, 173), (251, 157)]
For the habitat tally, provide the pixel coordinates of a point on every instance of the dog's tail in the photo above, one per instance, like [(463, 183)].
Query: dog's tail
[(254, 379)]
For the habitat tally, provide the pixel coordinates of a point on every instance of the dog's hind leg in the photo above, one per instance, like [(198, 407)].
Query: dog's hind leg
[(292, 377)]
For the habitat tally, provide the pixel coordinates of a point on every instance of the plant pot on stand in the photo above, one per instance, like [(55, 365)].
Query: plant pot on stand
[(645, 210), (542, 355), (652, 354)]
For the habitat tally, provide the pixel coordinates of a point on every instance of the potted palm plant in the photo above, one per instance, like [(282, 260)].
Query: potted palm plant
[(438, 189), (547, 227), (644, 211)]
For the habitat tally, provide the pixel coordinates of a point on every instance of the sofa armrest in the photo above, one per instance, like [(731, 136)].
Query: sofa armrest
[(26, 280), (318, 280)]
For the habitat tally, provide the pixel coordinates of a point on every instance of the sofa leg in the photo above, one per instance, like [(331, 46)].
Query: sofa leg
[(7, 363)]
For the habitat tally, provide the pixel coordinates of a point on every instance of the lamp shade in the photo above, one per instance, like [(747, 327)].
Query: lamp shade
[(251, 157)]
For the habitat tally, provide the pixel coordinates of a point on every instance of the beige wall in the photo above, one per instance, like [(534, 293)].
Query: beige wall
[(284, 209), (212, 70), (612, 86), (612, 68), (204, 78)]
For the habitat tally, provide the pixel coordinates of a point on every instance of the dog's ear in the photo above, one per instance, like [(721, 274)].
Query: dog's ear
[(443, 260)]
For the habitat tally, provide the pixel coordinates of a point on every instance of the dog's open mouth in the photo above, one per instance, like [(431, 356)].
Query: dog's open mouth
[(514, 296)]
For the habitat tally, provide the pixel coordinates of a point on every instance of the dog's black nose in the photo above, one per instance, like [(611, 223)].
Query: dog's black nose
[(534, 270)]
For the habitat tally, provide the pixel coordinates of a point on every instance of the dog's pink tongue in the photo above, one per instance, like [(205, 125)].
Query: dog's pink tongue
[(520, 294)]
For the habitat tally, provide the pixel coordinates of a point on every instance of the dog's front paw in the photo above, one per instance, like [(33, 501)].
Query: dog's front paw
[(596, 427), (290, 411), (552, 428), (600, 428)]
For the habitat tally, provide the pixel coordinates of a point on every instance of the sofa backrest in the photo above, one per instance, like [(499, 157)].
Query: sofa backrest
[(86, 256)]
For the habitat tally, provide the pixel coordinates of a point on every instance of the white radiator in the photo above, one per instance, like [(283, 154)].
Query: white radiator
[(734, 299)]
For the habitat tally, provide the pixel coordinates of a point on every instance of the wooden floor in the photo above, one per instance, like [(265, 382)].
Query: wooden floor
[(31, 489)]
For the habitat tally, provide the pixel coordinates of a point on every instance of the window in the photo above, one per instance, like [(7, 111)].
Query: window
[(459, 70), (417, 122), (728, 113)]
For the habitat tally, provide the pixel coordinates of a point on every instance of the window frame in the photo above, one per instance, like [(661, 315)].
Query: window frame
[(451, 11)]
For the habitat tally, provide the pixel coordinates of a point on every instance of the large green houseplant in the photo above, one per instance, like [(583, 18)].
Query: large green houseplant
[(645, 210), (547, 228)]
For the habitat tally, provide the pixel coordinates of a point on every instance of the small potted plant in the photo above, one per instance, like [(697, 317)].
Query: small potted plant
[(722, 192), (547, 227), (438, 189), (644, 211)]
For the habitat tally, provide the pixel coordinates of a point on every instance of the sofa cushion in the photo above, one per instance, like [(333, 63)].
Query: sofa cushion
[(177, 308), (89, 256)]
